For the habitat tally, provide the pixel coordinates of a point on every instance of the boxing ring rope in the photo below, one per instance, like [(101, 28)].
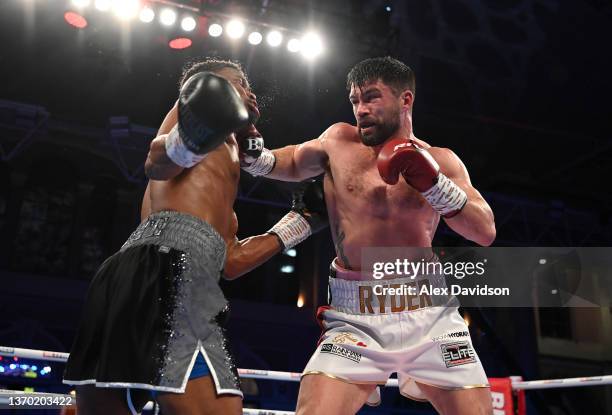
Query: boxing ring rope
[(295, 377)]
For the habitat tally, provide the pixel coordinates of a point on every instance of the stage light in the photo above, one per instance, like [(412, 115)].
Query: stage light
[(126, 9), (388, 8), (311, 45), (188, 23), (274, 38), (255, 38), (287, 269), (103, 5), (180, 43), (300, 301), (294, 45), (81, 3), (75, 19), (147, 15), (13, 366), (235, 29), (215, 30), (167, 17), (291, 252)]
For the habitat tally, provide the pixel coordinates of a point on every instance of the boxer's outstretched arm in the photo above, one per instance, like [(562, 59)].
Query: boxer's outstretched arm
[(299, 162), (249, 253), (475, 221), (158, 165)]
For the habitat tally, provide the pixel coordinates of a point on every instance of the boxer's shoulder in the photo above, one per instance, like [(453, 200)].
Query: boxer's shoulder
[(340, 132), (450, 164)]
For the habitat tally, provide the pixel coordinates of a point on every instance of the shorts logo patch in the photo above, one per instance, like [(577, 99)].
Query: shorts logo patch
[(340, 351), (456, 354), (451, 336), (346, 337)]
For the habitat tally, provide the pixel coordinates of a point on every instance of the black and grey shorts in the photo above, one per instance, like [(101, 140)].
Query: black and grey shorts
[(152, 307)]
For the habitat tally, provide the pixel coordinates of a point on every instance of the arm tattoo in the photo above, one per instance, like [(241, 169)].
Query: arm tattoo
[(339, 248)]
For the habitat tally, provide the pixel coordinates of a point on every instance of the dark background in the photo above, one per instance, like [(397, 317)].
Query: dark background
[(519, 89)]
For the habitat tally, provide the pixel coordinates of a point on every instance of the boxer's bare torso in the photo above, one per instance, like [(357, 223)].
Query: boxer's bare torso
[(207, 191), (363, 210)]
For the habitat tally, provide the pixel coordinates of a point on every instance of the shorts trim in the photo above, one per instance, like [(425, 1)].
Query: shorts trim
[(157, 388), (346, 380), (215, 378), (128, 399), (365, 382), (447, 388), (122, 385)]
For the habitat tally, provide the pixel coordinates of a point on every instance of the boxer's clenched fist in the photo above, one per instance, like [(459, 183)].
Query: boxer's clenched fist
[(250, 145), (405, 157), (209, 109), (308, 215), (421, 171), (254, 157)]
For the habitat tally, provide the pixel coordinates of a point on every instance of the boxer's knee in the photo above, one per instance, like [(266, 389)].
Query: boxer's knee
[(321, 394), (93, 401)]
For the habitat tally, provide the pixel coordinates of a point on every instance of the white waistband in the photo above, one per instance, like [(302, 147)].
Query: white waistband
[(385, 296)]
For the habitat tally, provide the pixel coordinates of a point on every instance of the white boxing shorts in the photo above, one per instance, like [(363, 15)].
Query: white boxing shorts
[(367, 337)]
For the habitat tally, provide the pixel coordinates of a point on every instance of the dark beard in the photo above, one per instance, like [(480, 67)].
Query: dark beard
[(382, 132)]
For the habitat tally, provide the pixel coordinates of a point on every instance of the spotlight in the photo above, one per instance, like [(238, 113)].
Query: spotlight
[(103, 5), (126, 9), (388, 8), (167, 17), (287, 269), (147, 15), (215, 30), (274, 38), (180, 43), (294, 45), (81, 3), (255, 38), (300, 301), (75, 19), (235, 29), (311, 45), (291, 252), (188, 24)]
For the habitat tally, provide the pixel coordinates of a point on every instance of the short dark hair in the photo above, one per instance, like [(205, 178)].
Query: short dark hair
[(208, 64), (390, 71)]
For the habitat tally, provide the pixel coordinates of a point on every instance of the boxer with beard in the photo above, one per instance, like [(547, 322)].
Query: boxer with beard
[(366, 338)]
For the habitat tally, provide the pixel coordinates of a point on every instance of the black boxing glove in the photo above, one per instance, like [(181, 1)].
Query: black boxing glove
[(308, 215), (254, 157), (209, 109)]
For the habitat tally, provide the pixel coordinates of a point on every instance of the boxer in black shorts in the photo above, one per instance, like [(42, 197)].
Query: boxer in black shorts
[(151, 324)]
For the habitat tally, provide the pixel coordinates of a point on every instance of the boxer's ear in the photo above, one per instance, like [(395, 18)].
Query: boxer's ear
[(407, 99)]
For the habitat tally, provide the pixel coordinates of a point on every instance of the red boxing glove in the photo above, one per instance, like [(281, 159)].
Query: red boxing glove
[(422, 172), (418, 167)]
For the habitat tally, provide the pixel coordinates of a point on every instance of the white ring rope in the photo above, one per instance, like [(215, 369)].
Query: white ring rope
[(5, 396), (295, 377)]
